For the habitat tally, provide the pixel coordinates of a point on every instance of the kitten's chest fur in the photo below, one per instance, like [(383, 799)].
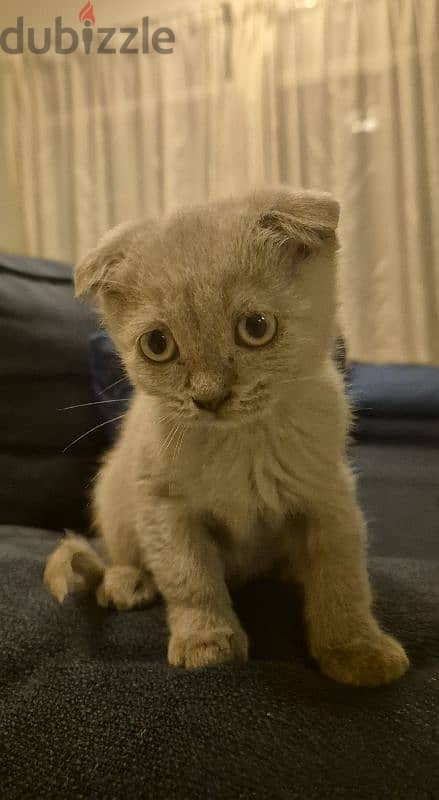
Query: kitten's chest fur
[(244, 486), (242, 478)]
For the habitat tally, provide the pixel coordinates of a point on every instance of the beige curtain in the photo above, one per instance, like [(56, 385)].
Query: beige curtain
[(337, 94)]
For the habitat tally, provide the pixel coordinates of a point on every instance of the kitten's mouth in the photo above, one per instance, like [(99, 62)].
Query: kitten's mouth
[(214, 406), (230, 413), (212, 415)]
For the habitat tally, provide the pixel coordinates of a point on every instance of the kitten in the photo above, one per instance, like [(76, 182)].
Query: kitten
[(232, 456)]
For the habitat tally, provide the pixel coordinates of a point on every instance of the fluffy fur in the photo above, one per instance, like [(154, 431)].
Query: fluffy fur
[(191, 500)]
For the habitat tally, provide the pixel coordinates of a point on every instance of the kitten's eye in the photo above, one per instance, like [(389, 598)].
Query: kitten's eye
[(158, 345), (256, 330)]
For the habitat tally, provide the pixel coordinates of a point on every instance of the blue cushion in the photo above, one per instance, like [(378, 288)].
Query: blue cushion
[(44, 370), (395, 390)]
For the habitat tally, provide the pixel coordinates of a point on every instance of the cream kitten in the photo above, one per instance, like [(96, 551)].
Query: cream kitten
[(231, 461)]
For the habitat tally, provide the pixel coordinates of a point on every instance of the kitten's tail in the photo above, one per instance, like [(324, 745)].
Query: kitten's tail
[(73, 567)]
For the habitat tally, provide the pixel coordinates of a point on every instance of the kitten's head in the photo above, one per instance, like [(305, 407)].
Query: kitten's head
[(218, 310)]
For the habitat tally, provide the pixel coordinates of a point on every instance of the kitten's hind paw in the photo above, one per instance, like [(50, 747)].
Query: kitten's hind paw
[(125, 588), (372, 661), (206, 648)]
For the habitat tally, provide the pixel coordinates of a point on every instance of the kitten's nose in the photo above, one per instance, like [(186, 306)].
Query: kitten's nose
[(211, 388), (211, 403)]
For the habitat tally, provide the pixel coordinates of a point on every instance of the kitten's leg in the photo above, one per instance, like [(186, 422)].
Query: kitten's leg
[(344, 637), (125, 584), (189, 573), (126, 587)]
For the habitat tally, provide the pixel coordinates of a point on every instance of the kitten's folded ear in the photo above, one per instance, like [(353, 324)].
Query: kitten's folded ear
[(101, 269), (304, 219)]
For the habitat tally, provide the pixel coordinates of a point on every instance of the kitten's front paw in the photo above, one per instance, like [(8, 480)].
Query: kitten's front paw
[(372, 661), (205, 648), (125, 588)]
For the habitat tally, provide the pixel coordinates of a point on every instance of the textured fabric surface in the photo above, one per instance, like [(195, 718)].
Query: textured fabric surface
[(395, 390), (89, 708), (44, 369), (396, 429), (46, 489), (398, 487), (44, 329)]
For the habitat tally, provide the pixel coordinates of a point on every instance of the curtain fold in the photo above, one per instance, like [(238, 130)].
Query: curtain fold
[(335, 94)]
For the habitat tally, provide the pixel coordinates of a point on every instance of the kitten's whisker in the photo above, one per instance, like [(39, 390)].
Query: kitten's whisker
[(106, 388), (297, 380), (83, 435), (168, 441), (97, 403), (170, 436), (167, 417), (176, 438), (179, 443)]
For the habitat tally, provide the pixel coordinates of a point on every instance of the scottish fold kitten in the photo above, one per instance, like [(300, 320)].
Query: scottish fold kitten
[(231, 461)]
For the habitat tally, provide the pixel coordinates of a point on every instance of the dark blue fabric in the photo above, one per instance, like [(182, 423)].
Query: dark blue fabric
[(45, 396), (90, 709), (370, 427), (112, 388), (395, 390)]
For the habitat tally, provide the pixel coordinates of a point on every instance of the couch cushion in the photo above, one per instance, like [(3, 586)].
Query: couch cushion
[(44, 330), (395, 390), (46, 489), (89, 707), (398, 486), (395, 402), (44, 369)]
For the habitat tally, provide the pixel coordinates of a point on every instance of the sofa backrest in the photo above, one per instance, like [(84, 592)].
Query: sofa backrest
[(44, 369)]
